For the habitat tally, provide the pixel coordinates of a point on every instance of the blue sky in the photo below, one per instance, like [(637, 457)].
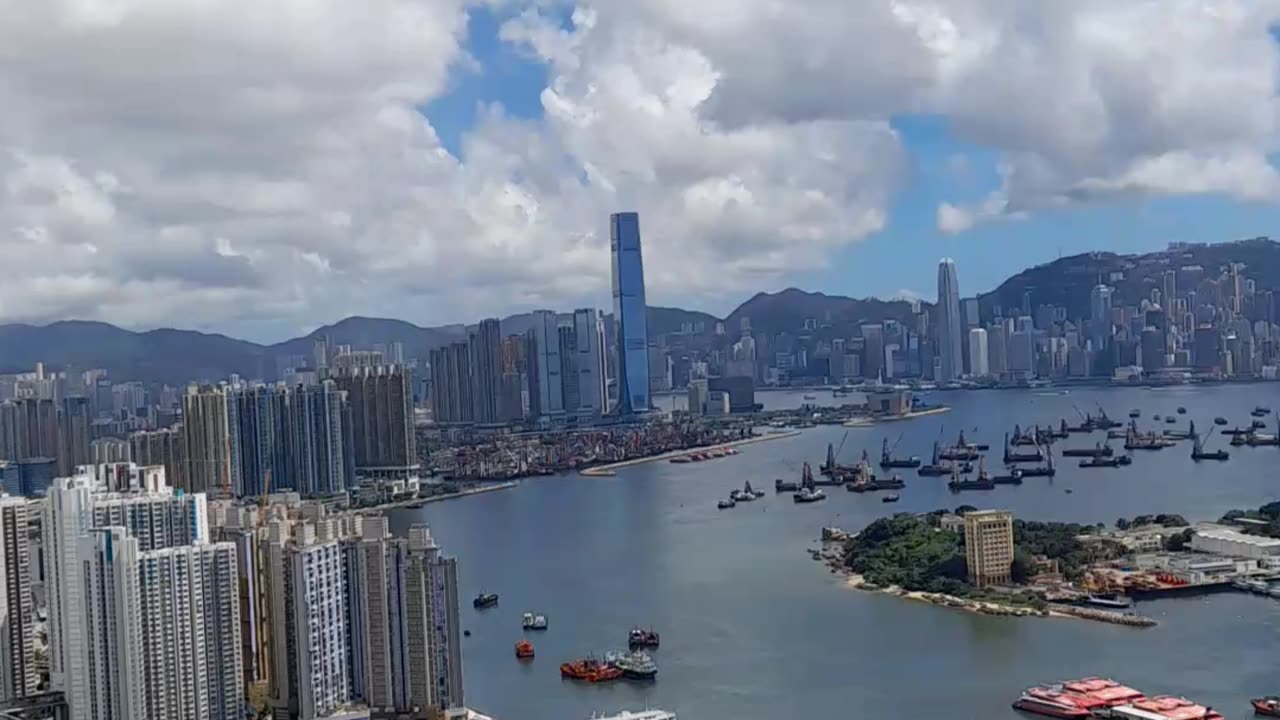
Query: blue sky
[(944, 168)]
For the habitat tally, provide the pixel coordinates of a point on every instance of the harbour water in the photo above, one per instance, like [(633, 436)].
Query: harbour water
[(753, 628)]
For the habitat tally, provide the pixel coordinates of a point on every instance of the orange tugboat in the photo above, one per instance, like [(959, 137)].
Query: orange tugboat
[(524, 650), (591, 670)]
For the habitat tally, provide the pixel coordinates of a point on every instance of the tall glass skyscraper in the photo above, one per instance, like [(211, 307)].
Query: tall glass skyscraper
[(950, 346), (629, 313)]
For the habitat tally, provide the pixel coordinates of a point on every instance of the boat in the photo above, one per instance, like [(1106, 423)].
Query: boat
[(1097, 451), (466, 633), (1162, 707), (727, 503), (642, 715), (888, 461), (635, 664), (891, 498), (1014, 477), (1258, 424), (1135, 413), (1170, 420), (747, 489), (810, 397), (982, 482), (1109, 601), (1266, 706), (1219, 420), (680, 459), (1012, 456), (1068, 491), (1087, 697), (590, 670), (781, 485), (1198, 452), (639, 637), (1105, 462), (807, 495), (1050, 707), (1260, 411), (524, 650), (1182, 410), (1157, 418), (533, 622), (485, 600)]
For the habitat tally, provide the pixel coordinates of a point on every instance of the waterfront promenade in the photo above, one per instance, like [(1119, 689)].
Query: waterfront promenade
[(612, 468)]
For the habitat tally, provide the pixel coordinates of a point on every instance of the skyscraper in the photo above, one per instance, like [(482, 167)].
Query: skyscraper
[(546, 348), (588, 331), (950, 345), (485, 371), (382, 433), (569, 367), (629, 310), (206, 441), (18, 674), (160, 447), (451, 388), (978, 362), (29, 429)]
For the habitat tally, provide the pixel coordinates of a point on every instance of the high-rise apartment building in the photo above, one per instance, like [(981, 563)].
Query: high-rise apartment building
[(432, 624), (382, 433), (73, 433), (514, 378), (569, 367), (629, 313), (206, 441), (28, 429), (988, 546), (318, 445), (950, 345), (160, 447), (486, 371), (18, 674), (451, 388), (108, 450)]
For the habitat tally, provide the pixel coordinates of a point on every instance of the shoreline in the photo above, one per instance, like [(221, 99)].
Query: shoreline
[(872, 421), (610, 469), (398, 504), (986, 607)]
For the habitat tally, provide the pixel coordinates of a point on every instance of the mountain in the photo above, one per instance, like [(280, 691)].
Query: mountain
[(787, 311)]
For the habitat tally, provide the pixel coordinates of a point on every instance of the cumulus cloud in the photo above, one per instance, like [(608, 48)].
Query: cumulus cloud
[(260, 168)]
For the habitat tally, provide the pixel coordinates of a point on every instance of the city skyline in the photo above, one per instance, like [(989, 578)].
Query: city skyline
[(516, 120)]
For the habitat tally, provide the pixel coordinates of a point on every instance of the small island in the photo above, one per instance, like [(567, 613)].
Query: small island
[(1018, 567)]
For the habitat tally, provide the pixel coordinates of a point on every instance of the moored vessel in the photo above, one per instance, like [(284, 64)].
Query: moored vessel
[(639, 637), (530, 621), (485, 600), (891, 498), (808, 495), (727, 503), (590, 670), (524, 650), (635, 664)]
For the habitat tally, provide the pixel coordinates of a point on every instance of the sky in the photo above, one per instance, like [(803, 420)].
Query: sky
[(261, 169)]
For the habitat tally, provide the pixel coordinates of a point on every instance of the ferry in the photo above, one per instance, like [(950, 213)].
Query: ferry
[(485, 600), (1161, 707), (524, 650), (533, 622), (1266, 706), (1076, 698)]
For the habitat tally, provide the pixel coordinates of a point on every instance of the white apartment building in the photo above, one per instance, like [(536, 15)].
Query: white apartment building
[(18, 676)]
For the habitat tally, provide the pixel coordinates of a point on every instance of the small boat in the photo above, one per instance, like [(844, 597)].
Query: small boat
[(1219, 420), (1171, 420), (681, 459), (1068, 491), (781, 485), (1182, 410), (1135, 413), (466, 633), (1266, 706), (635, 665), (591, 670), (810, 397), (741, 496), (1261, 411), (1259, 424), (639, 637), (807, 495), (524, 650), (890, 498), (726, 504), (534, 622), (1157, 418), (485, 600)]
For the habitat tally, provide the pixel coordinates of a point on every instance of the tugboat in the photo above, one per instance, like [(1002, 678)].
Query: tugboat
[(485, 600), (533, 622), (524, 650), (888, 461), (1266, 706), (591, 670), (639, 637)]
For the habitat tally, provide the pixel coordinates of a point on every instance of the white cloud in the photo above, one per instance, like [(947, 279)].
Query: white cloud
[(260, 168)]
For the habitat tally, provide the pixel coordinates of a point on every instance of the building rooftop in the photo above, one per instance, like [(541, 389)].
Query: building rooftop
[(1219, 532)]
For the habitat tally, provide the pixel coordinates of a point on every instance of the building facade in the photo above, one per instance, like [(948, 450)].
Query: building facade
[(381, 399), (486, 371), (206, 442), (18, 674), (950, 344)]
